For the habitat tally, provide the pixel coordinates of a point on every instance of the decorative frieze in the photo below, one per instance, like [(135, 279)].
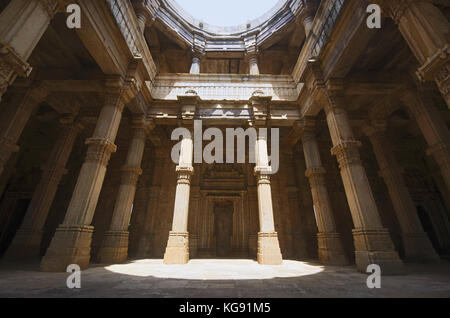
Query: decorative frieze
[(224, 87)]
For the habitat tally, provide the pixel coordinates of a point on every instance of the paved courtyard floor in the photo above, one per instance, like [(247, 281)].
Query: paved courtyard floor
[(223, 278)]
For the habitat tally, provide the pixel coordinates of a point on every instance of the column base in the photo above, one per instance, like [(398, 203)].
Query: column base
[(70, 245), (269, 252), (418, 248), (177, 251), (114, 248), (26, 246), (330, 249), (374, 246)]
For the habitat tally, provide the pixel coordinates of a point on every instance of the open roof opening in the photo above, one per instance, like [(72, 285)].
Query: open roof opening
[(227, 13)]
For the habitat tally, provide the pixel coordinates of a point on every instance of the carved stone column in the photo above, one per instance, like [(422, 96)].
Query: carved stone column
[(146, 11), (433, 128), (425, 28), (329, 241), (27, 242), (195, 66), (253, 64), (115, 243), (269, 252), (307, 14), (252, 51), (417, 246), (177, 251), (14, 117), (22, 24), (72, 241), (373, 244)]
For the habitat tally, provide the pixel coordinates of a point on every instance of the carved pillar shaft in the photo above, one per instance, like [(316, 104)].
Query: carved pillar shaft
[(253, 64), (22, 24), (72, 241), (329, 241), (269, 252), (177, 251), (115, 243), (195, 66), (417, 246), (26, 244), (13, 119), (373, 244)]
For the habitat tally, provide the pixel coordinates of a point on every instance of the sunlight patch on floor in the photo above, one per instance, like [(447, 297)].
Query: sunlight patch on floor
[(214, 269)]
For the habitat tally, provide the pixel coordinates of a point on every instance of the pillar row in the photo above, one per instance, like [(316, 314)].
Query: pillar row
[(27, 242), (330, 249), (416, 243), (373, 244), (71, 243), (115, 243), (177, 250)]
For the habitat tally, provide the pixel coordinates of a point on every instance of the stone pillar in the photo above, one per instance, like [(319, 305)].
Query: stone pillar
[(177, 251), (71, 243), (433, 128), (195, 66), (425, 28), (307, 14), (373, 244), (253, 64), (416, 244), (13, 119), (269, 252), (115, 243), (27, 242), (22, 24), (330, 249), (146, 11)]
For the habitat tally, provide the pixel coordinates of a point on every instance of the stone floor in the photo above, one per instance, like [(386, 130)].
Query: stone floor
[(223, 278)]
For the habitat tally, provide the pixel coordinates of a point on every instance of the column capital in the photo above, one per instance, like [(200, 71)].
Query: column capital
[(347, 153), (130, 175), (10, 61), (142, 123), (120, 91), (99, 150)]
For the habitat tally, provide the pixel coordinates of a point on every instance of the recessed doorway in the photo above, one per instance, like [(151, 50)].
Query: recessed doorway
[(223, 227)]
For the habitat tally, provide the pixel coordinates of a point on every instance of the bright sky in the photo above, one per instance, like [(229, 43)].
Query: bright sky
[(226, 12)]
